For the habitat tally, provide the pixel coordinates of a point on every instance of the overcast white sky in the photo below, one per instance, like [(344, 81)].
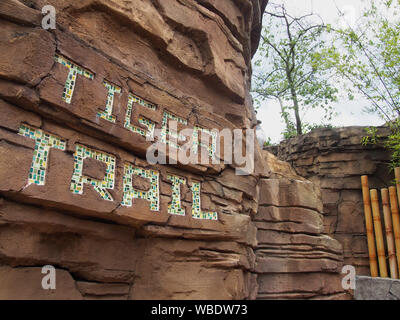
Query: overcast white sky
[(350, 112)]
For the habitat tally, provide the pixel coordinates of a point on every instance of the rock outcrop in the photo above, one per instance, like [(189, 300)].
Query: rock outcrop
[(79, 104), (294, 259), (335, 159)]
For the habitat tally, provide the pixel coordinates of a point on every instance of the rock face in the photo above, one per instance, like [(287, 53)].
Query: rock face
[(335, 159), (79, 105), (368, 288), (294, 260)]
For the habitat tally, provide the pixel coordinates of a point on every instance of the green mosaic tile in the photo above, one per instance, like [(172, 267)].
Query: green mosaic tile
[(150, 125), (43, 142), (130, 193), (212, 148), (74, 70), (197, 213), (175, 206), (166, 132), (142, 102), (78, 179), (107, 113)]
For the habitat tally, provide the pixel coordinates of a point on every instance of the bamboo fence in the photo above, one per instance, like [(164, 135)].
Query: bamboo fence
[(383, 253)]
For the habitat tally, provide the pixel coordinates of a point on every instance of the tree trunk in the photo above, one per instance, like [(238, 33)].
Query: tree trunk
[(296, 112), (295, 105), (294, 97), (285, 117)]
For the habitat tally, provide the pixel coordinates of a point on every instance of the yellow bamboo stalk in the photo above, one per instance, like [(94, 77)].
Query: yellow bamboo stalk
[(396, 222), (389, 234), (397, 177), (373, 265), (380, 246)]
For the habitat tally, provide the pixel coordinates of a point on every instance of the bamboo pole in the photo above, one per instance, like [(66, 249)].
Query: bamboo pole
[(397, 177), (380, 246), (373, 265), (389, 234), (396, 222)]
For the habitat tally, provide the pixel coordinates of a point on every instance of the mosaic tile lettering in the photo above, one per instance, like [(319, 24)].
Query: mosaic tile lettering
[(175, 206), (130, 193), (74, 70), (197, 144), (150, 125), (197, 213), (107, 113), (78, 179), (44, 141), (166, 132)]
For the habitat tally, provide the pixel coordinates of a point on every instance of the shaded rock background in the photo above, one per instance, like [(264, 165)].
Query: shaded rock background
[(335, 160), (191, 58)]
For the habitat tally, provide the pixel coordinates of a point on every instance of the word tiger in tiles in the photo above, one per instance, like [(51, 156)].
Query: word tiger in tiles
[(167, 135)]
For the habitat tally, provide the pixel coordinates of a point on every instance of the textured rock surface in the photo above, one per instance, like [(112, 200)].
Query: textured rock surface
[(25, 283), (192, 59), (294, 260), (334, 160), (368, 288)]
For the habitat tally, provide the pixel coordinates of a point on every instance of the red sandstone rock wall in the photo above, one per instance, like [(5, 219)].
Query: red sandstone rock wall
[(334, 160), (294, 259), (188, 58)]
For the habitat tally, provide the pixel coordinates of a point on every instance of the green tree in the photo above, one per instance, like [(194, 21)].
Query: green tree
[(367, 57), (288, 69)]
